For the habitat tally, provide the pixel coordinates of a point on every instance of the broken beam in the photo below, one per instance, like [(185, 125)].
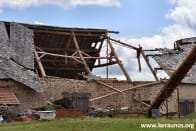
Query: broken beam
[(174, 80)]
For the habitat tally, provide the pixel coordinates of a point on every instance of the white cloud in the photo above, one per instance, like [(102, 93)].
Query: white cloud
[(62, 3), (38, 23), (184, 15), (166, 38)]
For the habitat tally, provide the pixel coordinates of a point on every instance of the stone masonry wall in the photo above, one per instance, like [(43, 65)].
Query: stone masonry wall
[(54, 87)]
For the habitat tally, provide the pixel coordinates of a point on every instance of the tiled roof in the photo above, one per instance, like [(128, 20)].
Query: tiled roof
[(8, 97)]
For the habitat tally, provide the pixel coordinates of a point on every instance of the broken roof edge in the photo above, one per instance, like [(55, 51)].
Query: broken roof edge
[(170, 59), (186, 40), (60, 28)]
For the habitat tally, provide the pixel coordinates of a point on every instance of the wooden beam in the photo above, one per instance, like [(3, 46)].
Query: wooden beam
[(85, 54), (67, 46), (39, 63), (85, 34), (132, 88), (105, 64), (174, 80), (143, 103), (149, 66), (178, 102), (61, 61), (50, 49), (63, 29), (106, 85), (80, 54), (59, 55), (123, 44), (66, 68), (118, 61), (41, 56)]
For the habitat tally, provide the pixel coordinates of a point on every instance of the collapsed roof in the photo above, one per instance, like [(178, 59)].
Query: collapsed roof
[(170, 59), (57, 51), (16, 55), (58, 40)]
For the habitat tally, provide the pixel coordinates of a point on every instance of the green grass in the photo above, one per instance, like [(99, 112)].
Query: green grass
[(191, 116), (91, 124)]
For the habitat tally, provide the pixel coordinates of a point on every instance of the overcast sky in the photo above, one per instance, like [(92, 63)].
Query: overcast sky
[(151, 23)]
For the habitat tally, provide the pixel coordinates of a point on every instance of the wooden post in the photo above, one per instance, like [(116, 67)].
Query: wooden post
[(67, 46), (39, 64), (80, 54), (107, 52), (178, 101), (119, 62), (148, 64), (167, 104)]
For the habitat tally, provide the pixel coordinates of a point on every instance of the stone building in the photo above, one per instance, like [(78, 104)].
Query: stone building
[(39, 63)]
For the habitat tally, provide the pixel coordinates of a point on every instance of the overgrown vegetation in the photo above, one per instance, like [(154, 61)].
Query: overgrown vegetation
[(91, 124)]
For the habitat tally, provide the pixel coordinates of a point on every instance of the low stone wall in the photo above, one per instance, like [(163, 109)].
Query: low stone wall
[(54, 88)]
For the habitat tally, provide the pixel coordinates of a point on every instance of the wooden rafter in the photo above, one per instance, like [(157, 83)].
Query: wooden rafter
[(148, 64), (119, 62), (123, 44), (80, 54), (86, 66)]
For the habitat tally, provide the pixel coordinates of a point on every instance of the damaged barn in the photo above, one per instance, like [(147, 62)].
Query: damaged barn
[(39, 64)]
